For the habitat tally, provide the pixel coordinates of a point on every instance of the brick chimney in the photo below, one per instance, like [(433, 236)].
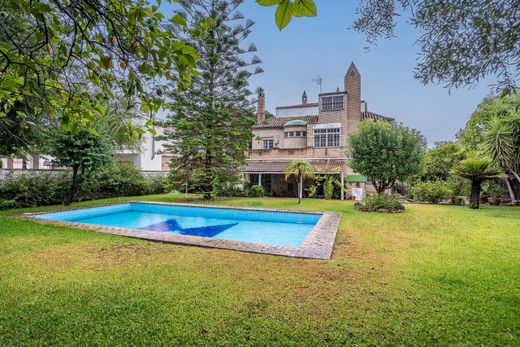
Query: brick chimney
[(304, 98), (353, 89), (260, 112)]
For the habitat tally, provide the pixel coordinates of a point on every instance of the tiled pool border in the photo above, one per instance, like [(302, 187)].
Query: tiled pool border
[(318, 244)]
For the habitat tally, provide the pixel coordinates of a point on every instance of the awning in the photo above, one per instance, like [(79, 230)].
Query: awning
[(319, 166), (356, 179)]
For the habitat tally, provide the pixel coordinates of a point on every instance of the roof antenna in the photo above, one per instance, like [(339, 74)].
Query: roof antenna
[(319, 81)]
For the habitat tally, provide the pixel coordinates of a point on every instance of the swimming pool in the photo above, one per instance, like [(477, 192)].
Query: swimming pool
[(227, 227)]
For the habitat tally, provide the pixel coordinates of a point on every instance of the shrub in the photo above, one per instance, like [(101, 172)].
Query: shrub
[(27, 190), (156, 184), (380, 203), (256, 191), (116, 179), (5, 204), (432, 191)]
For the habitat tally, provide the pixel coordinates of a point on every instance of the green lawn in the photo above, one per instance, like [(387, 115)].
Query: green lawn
[(433, 275)]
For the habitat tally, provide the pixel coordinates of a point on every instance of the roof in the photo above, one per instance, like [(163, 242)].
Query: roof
[(279, 122), (325, 166), (295, 122), (375, 116), (310, 104)]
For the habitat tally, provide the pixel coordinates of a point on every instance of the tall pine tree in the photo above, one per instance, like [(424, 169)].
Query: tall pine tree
[(212, 120)]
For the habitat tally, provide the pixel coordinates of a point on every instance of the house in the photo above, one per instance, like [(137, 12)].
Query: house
[(315, 132), (150, 157)]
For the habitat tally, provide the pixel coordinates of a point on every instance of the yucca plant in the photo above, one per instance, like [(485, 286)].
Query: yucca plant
[(476, 170), (301, 169), (502, 143)]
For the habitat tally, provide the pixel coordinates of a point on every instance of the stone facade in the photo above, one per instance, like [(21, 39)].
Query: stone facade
[(316, 132)]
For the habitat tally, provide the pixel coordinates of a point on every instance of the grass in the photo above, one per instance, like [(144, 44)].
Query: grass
[(433, 275)]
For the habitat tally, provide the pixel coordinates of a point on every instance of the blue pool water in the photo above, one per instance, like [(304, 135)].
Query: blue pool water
[(268, 227)]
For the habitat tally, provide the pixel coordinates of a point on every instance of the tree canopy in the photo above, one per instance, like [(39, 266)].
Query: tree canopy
[(460, 42), (69, 59), (387, 152)]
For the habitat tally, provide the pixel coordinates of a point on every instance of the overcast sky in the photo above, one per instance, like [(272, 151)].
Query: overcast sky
[(324, 45)]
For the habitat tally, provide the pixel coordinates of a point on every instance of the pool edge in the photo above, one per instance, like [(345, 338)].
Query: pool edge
[(318, 244)]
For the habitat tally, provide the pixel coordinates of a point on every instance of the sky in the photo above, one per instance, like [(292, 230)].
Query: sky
[(325, 46)]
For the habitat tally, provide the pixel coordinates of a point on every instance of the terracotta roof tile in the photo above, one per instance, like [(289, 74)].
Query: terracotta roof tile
[(374, 116), (279, 122)]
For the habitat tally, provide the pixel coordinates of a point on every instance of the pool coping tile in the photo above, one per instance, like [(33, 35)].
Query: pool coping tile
[(319, 243)]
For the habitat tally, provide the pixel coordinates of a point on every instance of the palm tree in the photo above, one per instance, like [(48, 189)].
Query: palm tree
[(502, 144), (477, 171), (301, 169)]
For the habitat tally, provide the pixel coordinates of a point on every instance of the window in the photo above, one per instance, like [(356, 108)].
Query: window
[(295, 134), (327, 137), (267, 143), (332, 103)]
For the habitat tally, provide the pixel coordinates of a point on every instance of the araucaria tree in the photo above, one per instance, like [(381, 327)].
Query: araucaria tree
[(387, 152), (212, 119)]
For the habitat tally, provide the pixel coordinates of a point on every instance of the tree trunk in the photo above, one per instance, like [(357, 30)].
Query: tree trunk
[(474, 199), (380, 188), (73, 186), (510, 190), (299, 189), (516, 175)]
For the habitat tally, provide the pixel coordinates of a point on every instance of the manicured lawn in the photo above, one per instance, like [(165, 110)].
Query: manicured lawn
[(434, 275)]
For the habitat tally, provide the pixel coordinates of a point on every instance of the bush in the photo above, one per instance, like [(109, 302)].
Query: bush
[(432, 191), (116, 179), (28, 190), (5, 204), (380, 203), (156, 184), (256, 191)]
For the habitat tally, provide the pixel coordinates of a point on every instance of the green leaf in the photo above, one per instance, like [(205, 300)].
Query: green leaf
[(283, 14), (179, 20), (268, 2), (305, 8)]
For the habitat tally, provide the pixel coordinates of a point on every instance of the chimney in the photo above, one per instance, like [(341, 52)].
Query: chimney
[(260, 112), (304, 98), (353, 89)]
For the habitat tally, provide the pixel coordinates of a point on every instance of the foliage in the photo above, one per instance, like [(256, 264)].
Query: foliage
[(477, 171), (69, 59), (81, 151), (387, 152), (231, 186), (494, 190), (311, 191), (213, 118), (114, 179), (302, 170), (330, 181), (380, 203), (256, 191), (472, 136), (28, 190), (502, 141), (432, 191), (439, 161), (157, 184), (286, 9)]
